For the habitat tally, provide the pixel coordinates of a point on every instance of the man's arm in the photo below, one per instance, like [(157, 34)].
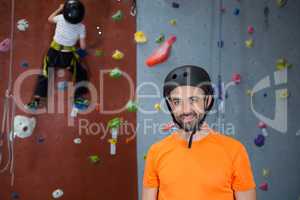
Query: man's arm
[(149, 193), (60, 8), (245, 195)]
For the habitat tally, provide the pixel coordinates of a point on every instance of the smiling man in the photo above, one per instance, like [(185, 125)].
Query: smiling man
[(195, 162)]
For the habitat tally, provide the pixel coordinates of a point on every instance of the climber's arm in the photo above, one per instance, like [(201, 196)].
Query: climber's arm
[(51, 17)]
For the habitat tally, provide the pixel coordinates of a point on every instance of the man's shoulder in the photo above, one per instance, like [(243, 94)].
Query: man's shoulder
[(162, 143), (227, 141)]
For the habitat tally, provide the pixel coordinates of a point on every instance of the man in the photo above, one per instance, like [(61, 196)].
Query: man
[(62, 52), (195, 162)]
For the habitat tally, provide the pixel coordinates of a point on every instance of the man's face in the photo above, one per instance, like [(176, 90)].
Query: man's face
[(187, 104)]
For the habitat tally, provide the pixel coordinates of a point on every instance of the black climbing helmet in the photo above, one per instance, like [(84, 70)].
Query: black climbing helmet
[(189, 75), (73, 11)]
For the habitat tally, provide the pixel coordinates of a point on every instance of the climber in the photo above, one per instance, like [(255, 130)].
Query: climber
[(195, 161), (62, 52)]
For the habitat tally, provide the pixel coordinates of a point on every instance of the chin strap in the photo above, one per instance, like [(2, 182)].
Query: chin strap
[(191, 138)]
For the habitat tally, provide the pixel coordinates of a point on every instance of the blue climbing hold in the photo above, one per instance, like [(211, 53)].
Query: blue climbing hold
[(259, 140), (236, 11), (220, 44)]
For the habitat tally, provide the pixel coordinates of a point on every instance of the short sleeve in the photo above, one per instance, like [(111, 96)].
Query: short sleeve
[(82, 32), (151, 179), (242, 177), (57, 18)]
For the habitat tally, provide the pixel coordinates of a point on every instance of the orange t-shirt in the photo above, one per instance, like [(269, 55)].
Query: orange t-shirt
[(215, 167)]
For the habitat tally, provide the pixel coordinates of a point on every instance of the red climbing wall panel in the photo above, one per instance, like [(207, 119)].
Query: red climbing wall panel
[(42, 167)]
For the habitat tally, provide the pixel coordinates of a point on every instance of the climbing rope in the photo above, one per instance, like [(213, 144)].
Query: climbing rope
[(7, 125)]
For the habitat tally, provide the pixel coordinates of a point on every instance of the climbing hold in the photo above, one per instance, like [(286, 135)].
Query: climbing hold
[(249, 43), (15, 195), (162, 53), (281, 3), (175, 5), (22, 25), (115, 73), (173, 22), (112, 141), (168, 126), (222, 9), (266, 172), (5, 45), (94, 159), (236, 78), (264, 132), (284, 94), (264, 186), (99, 53), (249, 92), (262, 125), (160, 39), (145, 156), (99, 31), (74, 112), (23, 126), (140, 37), (62, 85), (220, 44), (250, 29), (114, 123), (282, 64), (236, 11), (82, 53), (118, 55), (24, 64), (40, 139), (118, 16), (132, 106), (77, 141), (157, 107), (56, 194), (259, 140), (81, 103), (265, 94)]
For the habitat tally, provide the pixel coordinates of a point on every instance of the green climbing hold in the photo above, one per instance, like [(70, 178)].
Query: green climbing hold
[(99, 53), (114, 123), (94, 159), (118, 16), (132, 106), (160, 39), (115, 73)]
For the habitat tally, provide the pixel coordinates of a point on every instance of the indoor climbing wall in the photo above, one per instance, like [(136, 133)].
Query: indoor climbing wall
[(72, 154), (251, 49)]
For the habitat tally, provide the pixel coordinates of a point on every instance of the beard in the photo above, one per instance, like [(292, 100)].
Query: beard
[(190, 121)]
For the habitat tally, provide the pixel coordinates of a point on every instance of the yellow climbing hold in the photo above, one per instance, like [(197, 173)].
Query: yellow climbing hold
[(140, 37), (112, 141), (173, 22), (249, 43), (118, 55), (157, 107), (284, 94), (266, 172), (282, 64), (249, 93)]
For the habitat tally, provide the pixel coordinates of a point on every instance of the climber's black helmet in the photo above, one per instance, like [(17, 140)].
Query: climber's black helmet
[(73, 11), (189, 75)]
